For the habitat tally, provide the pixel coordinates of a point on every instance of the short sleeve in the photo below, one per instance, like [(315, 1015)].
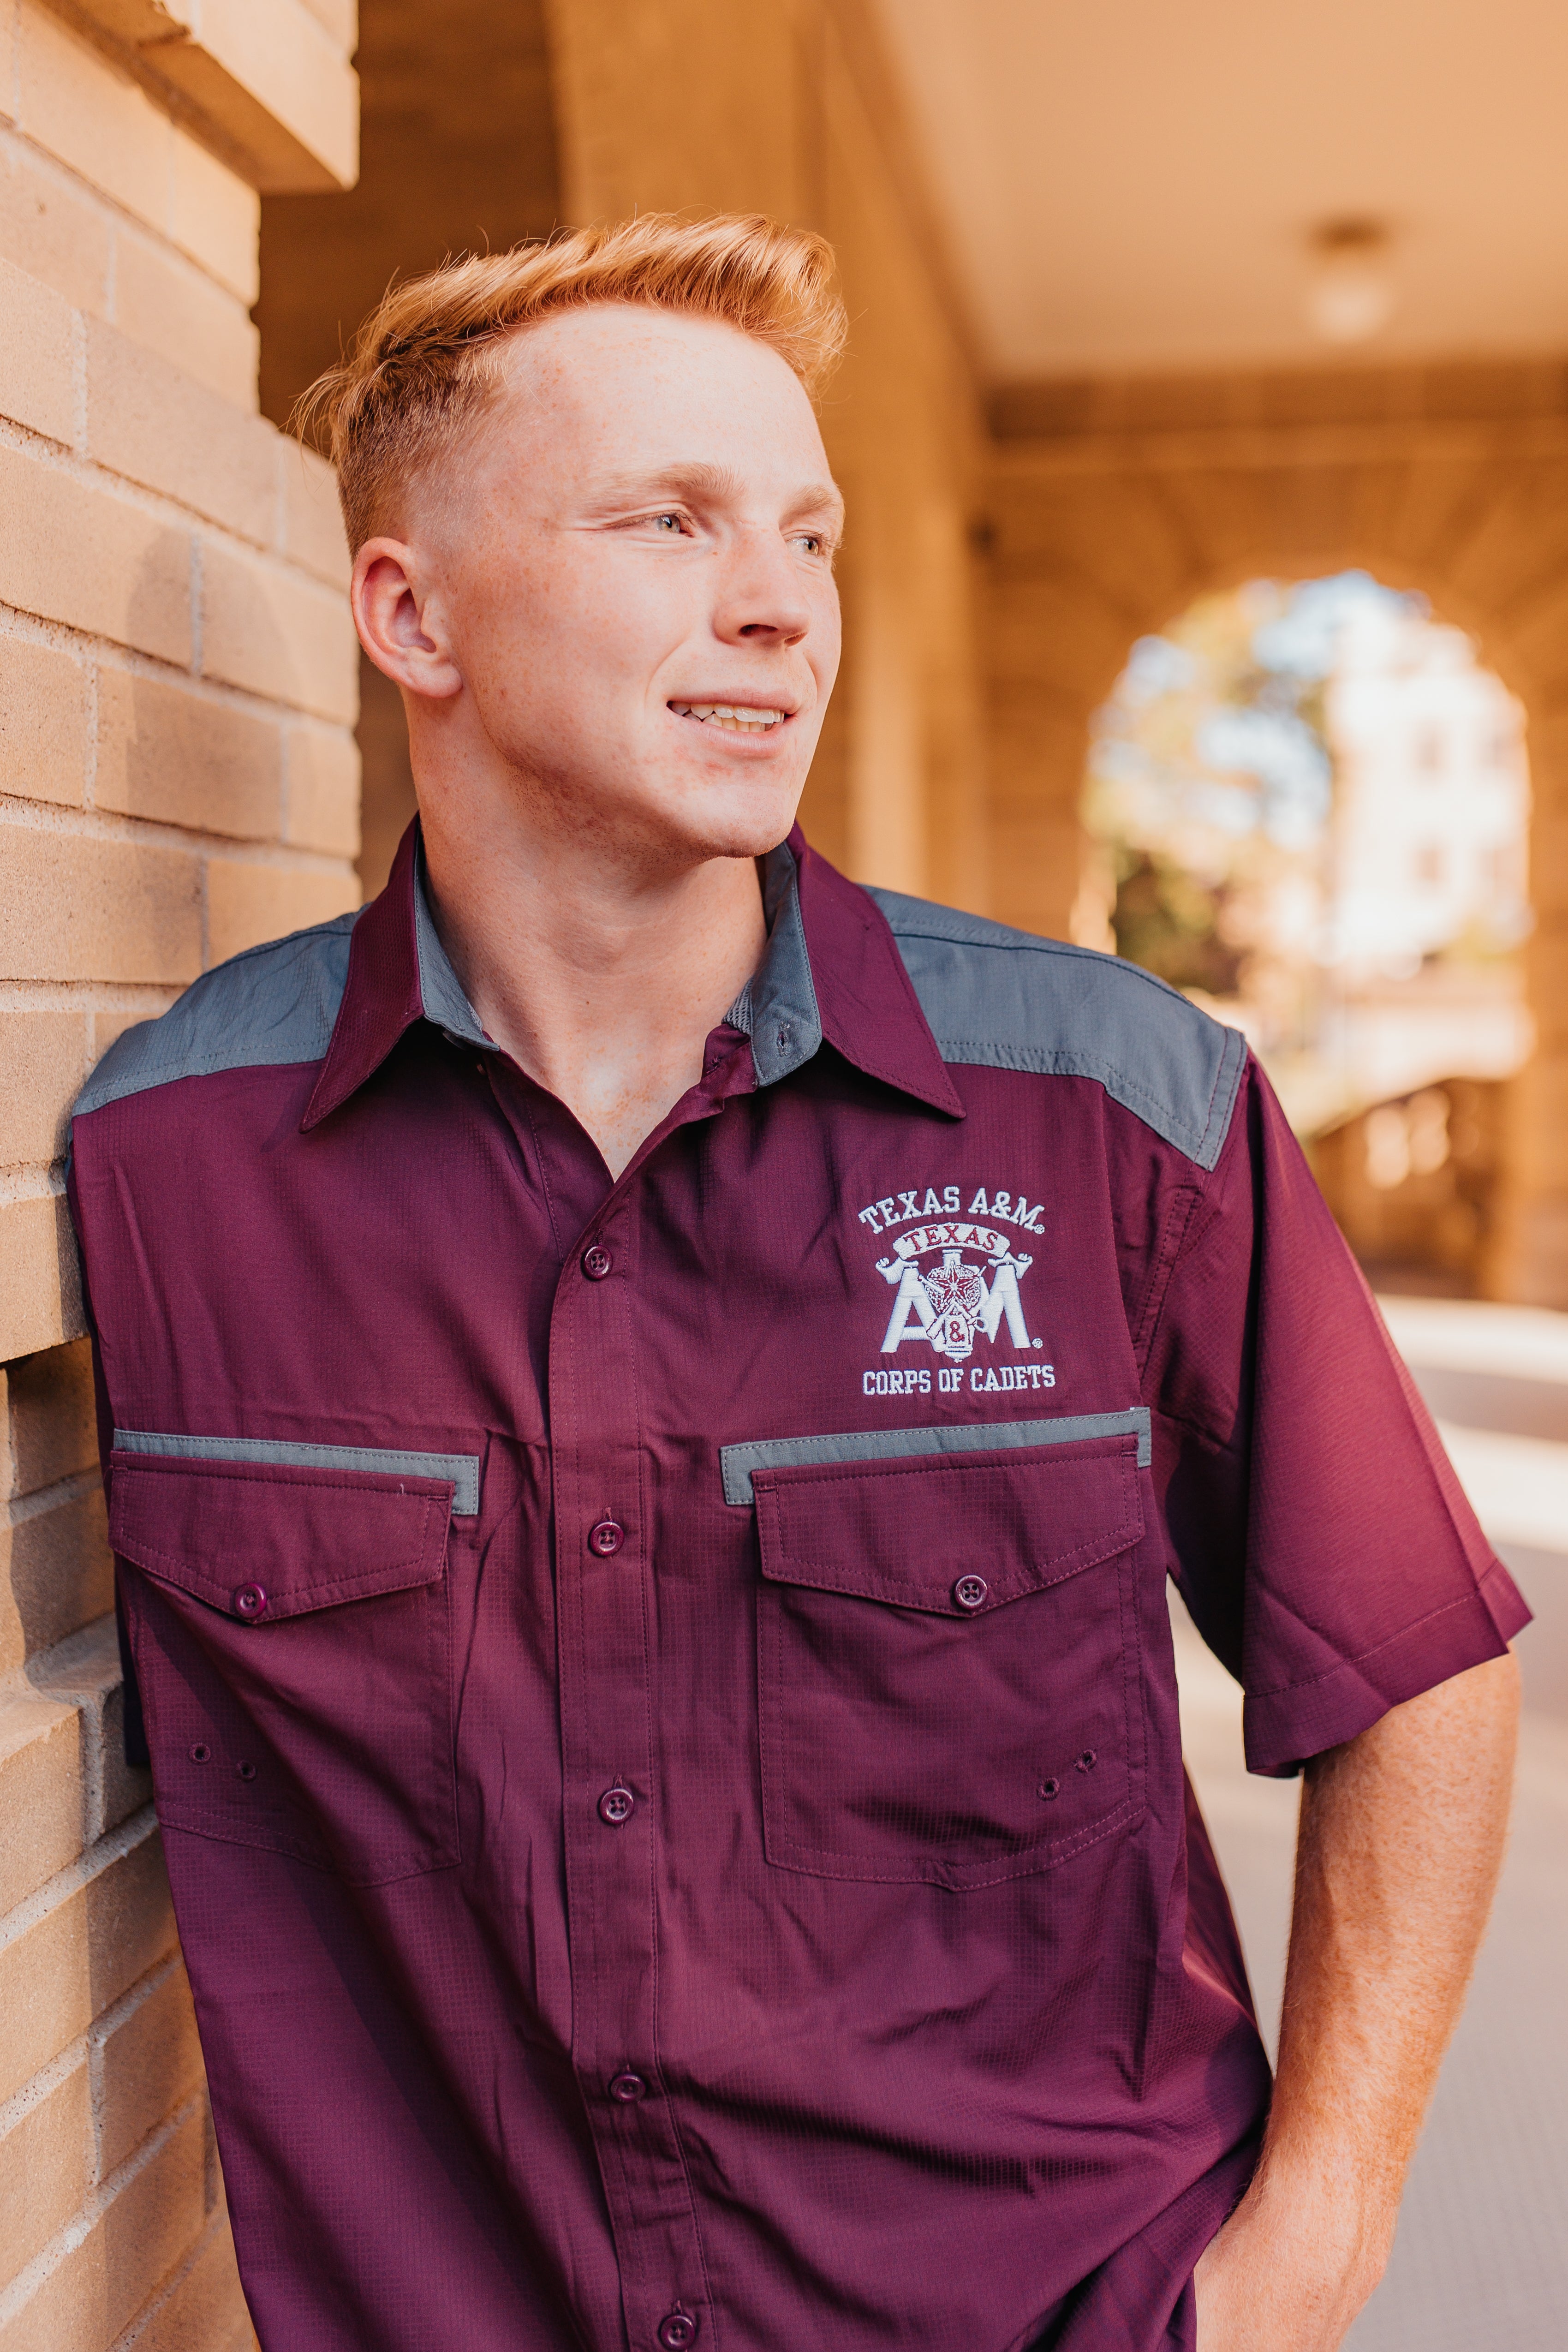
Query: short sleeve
[(1322, 1540)]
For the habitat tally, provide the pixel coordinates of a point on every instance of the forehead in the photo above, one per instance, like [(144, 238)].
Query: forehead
[(628, 384)]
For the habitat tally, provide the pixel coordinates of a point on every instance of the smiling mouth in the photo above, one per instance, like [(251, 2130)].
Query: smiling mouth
[(736, 718)]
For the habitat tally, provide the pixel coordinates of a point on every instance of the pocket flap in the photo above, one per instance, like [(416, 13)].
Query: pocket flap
[(957, 1536), (264, 1543)]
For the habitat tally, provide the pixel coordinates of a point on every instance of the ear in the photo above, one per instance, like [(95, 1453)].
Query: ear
[(399, 620)]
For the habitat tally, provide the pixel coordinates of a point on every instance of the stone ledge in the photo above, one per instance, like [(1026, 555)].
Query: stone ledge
[(262, 79)]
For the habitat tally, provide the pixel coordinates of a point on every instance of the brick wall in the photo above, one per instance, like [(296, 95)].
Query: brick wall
[(178, 780)]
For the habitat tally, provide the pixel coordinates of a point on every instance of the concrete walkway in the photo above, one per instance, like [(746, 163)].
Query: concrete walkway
[(1481, 2263)]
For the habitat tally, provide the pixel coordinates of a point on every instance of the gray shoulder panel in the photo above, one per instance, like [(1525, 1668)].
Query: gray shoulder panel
[(1012, 1002), (274, 1003)]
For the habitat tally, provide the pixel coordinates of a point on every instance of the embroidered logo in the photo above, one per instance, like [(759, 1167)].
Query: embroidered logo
[(947, 1301), (955, 1274)]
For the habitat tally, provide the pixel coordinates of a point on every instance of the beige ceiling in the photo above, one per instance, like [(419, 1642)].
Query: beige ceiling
[(1129, 184)]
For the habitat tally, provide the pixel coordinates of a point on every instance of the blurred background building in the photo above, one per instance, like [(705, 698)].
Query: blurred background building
[(1205, 435)]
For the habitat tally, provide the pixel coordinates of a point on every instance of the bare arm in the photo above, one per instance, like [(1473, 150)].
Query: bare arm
[(1401, 1840)]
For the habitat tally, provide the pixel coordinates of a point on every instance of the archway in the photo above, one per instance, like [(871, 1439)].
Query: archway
[(1458, 491)]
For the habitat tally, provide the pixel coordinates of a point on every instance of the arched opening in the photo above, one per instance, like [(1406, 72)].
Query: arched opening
[(1308, 808)]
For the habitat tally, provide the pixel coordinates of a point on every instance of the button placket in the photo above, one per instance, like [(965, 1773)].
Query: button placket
[(605, 1611)]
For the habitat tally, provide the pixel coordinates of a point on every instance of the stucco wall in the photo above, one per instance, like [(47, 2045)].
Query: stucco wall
[(178, 779)]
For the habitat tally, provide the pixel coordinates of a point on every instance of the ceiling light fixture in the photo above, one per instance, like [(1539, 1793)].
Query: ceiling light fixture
[(1351, 292)]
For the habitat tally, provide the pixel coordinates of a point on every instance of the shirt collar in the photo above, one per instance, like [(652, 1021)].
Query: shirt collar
[(830, 970)]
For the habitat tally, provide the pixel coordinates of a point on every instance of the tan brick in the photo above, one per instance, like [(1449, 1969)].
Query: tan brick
[(43, 730), (214, 218), (74, 552), (278, 634), (147, 2062), (312, 518), (167, 753), (80, 108), (40, 1297), (162, 301), (45, 2165), (85, 1670), (44, 1058), (54, 1419), (54, 234), (248, 904), (73, 907), (41, 1808), (57, 1976), (38, 355), (204, 2310), (101, 2284), (45, 1992), (107, 1026), (148, 420), (129, 1922), (322, 790), (57, 1575)]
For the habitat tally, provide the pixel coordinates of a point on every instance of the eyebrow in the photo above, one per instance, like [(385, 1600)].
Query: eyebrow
[(698, 481)]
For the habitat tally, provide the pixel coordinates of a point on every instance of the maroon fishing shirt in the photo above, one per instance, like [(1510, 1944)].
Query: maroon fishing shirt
[(661, 1692)]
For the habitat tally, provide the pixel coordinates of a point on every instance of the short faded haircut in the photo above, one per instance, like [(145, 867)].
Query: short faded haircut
[(424, 365)]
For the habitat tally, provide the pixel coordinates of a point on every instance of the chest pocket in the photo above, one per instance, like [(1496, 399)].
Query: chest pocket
[(291, 1629), (948, 1668)]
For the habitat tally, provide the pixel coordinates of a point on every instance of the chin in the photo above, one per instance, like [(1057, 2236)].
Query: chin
[(748, 837), (739, 819)]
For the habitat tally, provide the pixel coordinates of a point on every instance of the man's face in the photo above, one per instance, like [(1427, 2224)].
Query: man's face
[(631, 567)]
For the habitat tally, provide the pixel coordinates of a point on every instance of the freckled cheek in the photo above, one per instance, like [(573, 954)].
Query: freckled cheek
[(546, 630), (825, 643)]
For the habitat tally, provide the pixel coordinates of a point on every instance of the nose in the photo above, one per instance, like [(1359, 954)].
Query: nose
[(760, 599)]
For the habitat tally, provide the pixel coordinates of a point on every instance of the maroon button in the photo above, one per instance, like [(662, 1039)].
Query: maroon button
[(678, 2328), (250, 1601), (607, 1537), (628, 2088), (970, 1591), (597, 1262), (615, 1805)]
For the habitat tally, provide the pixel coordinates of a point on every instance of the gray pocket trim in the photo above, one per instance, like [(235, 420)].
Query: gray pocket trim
[(462, 1469), (738, 1462)]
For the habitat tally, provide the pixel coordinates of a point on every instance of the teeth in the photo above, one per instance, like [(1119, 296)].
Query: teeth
[(736, 718)]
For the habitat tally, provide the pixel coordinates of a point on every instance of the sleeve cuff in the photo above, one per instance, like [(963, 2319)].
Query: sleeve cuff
[(1285, 1728)]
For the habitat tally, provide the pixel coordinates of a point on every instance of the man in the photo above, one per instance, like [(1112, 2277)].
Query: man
[(652, 1394)]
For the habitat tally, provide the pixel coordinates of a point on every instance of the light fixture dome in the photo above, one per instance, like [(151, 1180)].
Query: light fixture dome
[(1350, 294)]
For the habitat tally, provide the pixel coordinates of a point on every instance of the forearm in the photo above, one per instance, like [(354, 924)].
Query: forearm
[(1401, 1838)]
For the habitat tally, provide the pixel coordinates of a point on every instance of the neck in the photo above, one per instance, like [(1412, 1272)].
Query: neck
[(601, 977)]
